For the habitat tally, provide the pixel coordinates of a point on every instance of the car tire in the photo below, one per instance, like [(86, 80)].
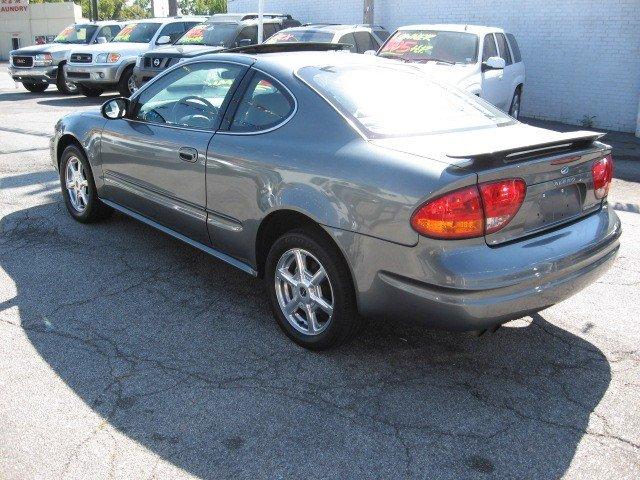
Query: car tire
[(126, 85), (63, 86), (78, 187), (514, 108), (35, 87), (89, 91), (329, 297)]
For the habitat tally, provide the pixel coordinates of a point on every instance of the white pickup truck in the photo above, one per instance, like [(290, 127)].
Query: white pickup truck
[(485, 61)]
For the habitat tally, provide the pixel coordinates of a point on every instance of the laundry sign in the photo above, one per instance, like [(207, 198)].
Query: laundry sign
[(13, 7)]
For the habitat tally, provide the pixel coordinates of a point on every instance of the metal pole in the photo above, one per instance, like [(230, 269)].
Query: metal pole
[(94, 10), (367, 14), (260, 20), (173, 8)]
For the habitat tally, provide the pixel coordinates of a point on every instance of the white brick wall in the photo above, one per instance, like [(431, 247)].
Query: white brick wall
[(582, 56)]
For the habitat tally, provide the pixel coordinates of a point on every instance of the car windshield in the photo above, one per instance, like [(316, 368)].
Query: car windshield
[(77, 34), (211, 34), (301, 35), (385, 101), (431, 45), (137, 32)]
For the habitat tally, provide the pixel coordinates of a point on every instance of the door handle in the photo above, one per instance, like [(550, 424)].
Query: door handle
[(188, 154)]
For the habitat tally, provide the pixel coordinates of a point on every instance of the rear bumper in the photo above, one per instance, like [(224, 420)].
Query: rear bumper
[(34, 74), (473, 288)]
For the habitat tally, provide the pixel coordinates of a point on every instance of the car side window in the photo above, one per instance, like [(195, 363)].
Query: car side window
[(108, 32), (173, 30), (504, 49), (264, 105), (190, 96), (268, 30), (247, 33), (381, 34), (350, 40), (489, 47), (365, 42), (517, 57)]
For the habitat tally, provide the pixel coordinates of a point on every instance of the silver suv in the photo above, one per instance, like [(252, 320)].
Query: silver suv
[(360, 38), (39, 66), (98, 68)]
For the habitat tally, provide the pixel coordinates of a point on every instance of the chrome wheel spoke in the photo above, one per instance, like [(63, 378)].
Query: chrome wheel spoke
[(318, 277), (324, 305), (285, 276), (291, 307), (300, 263), (312, 321)]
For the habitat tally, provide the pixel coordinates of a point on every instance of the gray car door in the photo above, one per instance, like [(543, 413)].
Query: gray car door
[(154, 160)]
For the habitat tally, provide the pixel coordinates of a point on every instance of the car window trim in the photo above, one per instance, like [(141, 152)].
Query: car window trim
[(506, 42), (223, 108), (233, 110), (495, 44)]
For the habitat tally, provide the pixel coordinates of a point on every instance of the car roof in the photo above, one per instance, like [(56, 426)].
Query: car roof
[(329, 27), (292, 61), (165, 20), (453, 27)]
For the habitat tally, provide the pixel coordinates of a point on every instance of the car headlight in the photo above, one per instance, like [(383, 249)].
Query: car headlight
[(43, 59), (107, 57)]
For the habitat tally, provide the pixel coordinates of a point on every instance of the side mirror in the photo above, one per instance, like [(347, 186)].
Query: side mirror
[(163, 40), (115, 108), (370, 52), (245, 42), (101, 40), (493, 63)]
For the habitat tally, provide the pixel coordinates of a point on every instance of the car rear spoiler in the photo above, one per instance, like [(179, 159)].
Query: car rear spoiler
[(288, 47), (567, 141)]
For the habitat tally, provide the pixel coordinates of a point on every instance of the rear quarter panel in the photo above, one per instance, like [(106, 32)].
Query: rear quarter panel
[(316, 164)]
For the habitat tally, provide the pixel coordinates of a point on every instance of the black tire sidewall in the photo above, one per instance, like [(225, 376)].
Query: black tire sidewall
[(123, 84), (61, 83), (345, 311), (91, 212), (517, 95), (35, 87)]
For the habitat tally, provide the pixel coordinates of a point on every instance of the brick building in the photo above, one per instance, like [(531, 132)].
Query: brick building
[(582, 56)]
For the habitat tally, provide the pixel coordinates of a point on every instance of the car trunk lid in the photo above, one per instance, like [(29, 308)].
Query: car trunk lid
[(555, 166)]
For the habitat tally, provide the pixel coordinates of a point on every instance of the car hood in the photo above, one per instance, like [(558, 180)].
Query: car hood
[(185, 50), (46, 48), (458, 75), (123, 48), (451, 147)]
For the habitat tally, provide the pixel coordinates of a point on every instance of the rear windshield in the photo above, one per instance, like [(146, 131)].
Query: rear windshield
[(431, 45), (386, 101), (212, 34), (301, 36), (77, 34), (137, 32)]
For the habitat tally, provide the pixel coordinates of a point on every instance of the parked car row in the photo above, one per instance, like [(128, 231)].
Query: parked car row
[(97, 57)]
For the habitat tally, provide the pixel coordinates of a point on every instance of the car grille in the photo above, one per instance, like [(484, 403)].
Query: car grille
[(23, 62), (158, 63), (81, 58), (78, 75)]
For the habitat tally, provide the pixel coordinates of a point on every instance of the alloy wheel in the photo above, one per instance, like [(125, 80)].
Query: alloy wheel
[(77, 184), (304, 291), (131, 84)]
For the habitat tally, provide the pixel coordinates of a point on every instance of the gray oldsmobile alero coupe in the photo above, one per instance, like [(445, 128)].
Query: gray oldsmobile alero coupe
[(353, 186)]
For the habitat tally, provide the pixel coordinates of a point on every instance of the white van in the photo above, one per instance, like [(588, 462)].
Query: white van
[(485, 61)]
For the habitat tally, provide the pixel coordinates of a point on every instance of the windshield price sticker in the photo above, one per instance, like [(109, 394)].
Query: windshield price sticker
[(195, 35), (64, 33), (418, 42), (125, 33)]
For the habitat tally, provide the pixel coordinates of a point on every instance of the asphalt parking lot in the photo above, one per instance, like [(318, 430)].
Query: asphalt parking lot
[(127, 354)]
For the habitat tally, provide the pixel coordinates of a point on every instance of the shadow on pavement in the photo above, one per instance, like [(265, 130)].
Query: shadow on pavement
[(179, 352)]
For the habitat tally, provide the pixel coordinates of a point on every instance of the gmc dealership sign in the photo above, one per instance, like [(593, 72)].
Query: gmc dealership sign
[(11, 7)]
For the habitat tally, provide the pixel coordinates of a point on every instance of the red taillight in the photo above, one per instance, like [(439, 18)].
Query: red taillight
[(501, 201), (470, 212), (602, 172), (455, 215)]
